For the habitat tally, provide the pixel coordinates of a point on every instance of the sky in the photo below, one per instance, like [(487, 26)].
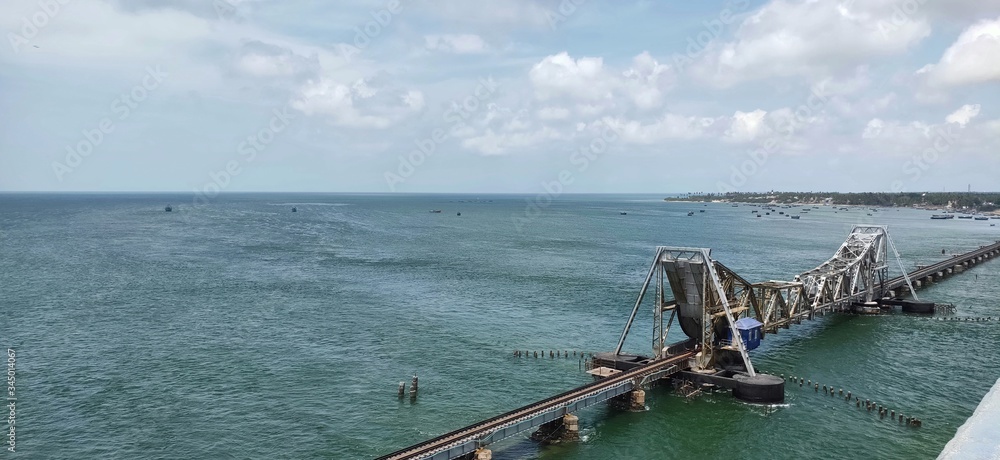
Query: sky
[(502, 96)]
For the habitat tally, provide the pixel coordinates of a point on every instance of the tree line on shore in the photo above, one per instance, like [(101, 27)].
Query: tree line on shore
[(982, 202)]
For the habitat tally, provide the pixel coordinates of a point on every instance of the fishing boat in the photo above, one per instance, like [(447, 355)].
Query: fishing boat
[(691, 213), (168, 208), (623, 213), (795, 217), (943, 216), (436, 211), (982, 218), (965, 216)]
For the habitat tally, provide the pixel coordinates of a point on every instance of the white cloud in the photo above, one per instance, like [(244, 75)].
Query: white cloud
[(561, 75), (963, 115), (264, 60), (553, 113), (496, 143), (808, 38), (592, 89), (746, 126), (357, 106), (458, 44), (873, 129), (668, 126), (973, 58)]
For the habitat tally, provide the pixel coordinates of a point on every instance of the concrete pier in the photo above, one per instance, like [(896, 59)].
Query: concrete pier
[(979, 437)]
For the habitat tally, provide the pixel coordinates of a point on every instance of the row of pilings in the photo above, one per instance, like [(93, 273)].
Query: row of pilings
[(883, 411)]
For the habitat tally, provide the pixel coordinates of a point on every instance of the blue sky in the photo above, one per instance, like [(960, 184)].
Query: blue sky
[(570, 96)]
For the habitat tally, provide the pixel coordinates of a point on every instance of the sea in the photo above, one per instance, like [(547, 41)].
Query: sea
[(234, 328)]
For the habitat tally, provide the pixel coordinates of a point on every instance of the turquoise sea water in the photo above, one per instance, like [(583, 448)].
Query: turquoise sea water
[(237, 329)]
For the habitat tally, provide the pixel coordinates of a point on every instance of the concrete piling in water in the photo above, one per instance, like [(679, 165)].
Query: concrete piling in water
[(848, 395), (637, 400), (571, 427), (892, 414), (817, 388), (413, 386), (536, 354), (402, 388)]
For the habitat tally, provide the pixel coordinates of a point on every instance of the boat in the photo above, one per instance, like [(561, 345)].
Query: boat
[(436, 211), (982, 218), (965, 217), (168, 208), (795, 217), (943, 216), (691, 213), (623, 213), (294, 209), (459, 214), (736, 205), (701, 210), (781, 213)]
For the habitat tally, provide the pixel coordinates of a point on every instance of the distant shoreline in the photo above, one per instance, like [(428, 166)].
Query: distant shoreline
[(970, 202)]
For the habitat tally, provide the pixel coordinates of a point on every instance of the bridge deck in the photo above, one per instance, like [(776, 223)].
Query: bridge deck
[(899, 281), (466, 440)]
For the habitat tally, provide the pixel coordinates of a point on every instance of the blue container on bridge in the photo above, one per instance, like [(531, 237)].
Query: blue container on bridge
[(750, 331)]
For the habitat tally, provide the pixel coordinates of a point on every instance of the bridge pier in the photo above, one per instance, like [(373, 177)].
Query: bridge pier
[(566, 429)]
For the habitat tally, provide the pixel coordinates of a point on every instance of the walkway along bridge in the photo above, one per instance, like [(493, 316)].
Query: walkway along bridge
[(713, 305)]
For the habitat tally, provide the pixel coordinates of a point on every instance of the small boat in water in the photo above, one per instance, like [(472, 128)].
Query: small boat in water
[(168, 208), (701, 210), (436, 211), (795, 217), (982, 218), (623, 213), (294, 209), (966, 216), (943, 216), (691, 213)]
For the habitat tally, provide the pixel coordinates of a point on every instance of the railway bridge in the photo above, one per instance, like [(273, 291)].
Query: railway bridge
[(724, 317)]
